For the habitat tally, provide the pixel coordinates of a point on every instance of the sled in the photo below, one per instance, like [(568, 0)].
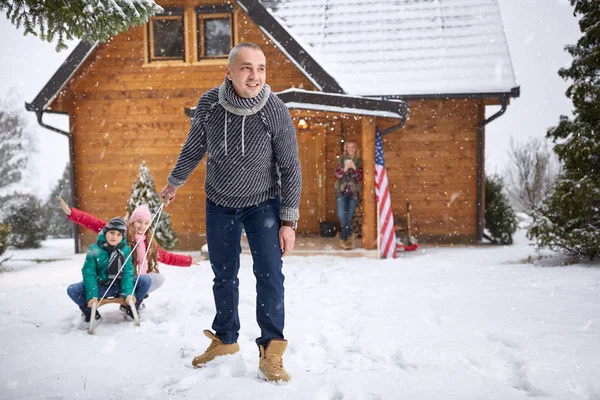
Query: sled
[(111, 300), (411, 244), (406, 247)]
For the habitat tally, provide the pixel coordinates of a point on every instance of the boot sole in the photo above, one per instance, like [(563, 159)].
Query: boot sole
[(260, 375), (204, 364)]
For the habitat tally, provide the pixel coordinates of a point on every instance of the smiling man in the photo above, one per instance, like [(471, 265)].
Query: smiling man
[(253, 181)]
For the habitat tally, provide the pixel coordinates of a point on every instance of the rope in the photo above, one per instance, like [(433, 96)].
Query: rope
[(147, 245), (130, 254)]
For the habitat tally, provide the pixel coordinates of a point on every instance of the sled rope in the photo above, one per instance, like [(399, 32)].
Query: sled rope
[(130, 254), (148, 245)]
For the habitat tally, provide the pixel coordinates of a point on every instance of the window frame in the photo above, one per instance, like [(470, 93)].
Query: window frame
[(173, 14), (201, 47), (192, 35)]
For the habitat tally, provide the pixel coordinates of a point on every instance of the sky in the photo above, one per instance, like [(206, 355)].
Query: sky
[(451, 323), (536, 31)]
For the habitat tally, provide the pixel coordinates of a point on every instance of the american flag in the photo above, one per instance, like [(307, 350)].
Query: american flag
[(387, 233)]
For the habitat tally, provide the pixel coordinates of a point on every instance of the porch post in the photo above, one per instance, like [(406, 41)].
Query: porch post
[(369, 227)]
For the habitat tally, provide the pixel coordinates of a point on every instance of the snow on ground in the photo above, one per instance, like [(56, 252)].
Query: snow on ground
[(440, 323)]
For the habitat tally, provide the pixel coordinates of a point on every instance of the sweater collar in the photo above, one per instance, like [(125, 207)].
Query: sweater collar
[(235, 104)]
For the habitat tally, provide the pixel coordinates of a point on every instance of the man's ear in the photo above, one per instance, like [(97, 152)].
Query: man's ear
[(227, 72)]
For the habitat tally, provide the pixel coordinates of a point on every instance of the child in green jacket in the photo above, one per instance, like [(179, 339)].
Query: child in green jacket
[(105, 259)]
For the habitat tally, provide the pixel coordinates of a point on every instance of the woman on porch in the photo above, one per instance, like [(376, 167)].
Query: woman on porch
[(348, 173)]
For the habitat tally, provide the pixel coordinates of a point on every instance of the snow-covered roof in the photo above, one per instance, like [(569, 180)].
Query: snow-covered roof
[(398, 48), (403, 47)]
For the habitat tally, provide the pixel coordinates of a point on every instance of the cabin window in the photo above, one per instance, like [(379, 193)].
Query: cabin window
[(215, 31), (166, 36)]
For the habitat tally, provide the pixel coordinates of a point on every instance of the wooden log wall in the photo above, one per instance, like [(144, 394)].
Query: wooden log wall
[(124, 111), (432, 163)]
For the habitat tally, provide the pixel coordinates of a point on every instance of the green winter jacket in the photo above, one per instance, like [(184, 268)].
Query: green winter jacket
[(95, 269)]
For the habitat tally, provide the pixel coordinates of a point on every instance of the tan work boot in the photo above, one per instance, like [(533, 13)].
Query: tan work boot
[(344, 244), (271, 360), (216, 348), (350, 242)]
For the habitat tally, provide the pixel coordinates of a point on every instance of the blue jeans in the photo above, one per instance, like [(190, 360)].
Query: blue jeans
[(346, 205), (223, 233), (77, 293)]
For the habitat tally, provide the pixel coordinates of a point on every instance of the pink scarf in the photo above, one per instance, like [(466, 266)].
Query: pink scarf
[(142, 263)]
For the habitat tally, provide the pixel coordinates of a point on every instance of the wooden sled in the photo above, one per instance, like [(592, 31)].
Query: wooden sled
[(111, 300), (411, 243)]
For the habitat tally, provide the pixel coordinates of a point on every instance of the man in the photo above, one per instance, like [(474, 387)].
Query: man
[(253, 180)]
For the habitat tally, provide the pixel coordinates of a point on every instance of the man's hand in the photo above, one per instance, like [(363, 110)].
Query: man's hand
[(167, 194), (92, 301), (64, 206), (130, 298), (287, 238)]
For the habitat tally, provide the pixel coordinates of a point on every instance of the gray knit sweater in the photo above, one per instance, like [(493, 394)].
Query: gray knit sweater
[(252, 150)]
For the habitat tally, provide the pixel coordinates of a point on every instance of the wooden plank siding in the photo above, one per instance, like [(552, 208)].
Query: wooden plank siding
[(123, 110), (432, 163)]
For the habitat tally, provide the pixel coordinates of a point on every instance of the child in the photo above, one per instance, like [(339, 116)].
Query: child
[(139, 220), (103, 261), (139, 231)]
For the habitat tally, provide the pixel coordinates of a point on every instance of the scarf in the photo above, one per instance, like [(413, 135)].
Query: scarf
[(140, 250), (235, 104), (115, 261)]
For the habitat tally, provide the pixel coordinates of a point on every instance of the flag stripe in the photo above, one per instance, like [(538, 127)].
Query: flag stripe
[(387, 234)]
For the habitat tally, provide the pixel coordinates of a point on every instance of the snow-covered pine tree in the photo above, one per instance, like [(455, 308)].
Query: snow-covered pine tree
[(16, 143), (58, 224), (569, 219), (500, 218), (25, 215), (144, 191), (89, 20)]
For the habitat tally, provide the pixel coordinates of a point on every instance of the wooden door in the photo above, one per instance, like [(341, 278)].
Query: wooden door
[(311, 149)]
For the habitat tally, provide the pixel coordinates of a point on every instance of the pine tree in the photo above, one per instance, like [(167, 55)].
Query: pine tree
[(569, 219), (25, 216), (89, 20), (58, 224), (15, 145), (143, 191), (500, 219)]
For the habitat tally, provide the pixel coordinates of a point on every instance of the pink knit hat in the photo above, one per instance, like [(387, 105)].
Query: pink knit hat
[(141, 212)]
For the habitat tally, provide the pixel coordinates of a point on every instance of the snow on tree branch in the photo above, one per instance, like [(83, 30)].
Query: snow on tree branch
[(89, 20)]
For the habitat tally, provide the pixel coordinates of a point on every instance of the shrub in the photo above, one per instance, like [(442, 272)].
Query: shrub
[(25, 216), (500, 218), (4, 235)]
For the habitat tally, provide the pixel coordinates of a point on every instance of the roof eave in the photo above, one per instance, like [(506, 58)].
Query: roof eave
[(339, 103), (61, 77), (361, 105), (513, 92)]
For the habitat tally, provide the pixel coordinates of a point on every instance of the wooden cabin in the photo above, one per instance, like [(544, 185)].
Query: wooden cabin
[(341, 79)]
